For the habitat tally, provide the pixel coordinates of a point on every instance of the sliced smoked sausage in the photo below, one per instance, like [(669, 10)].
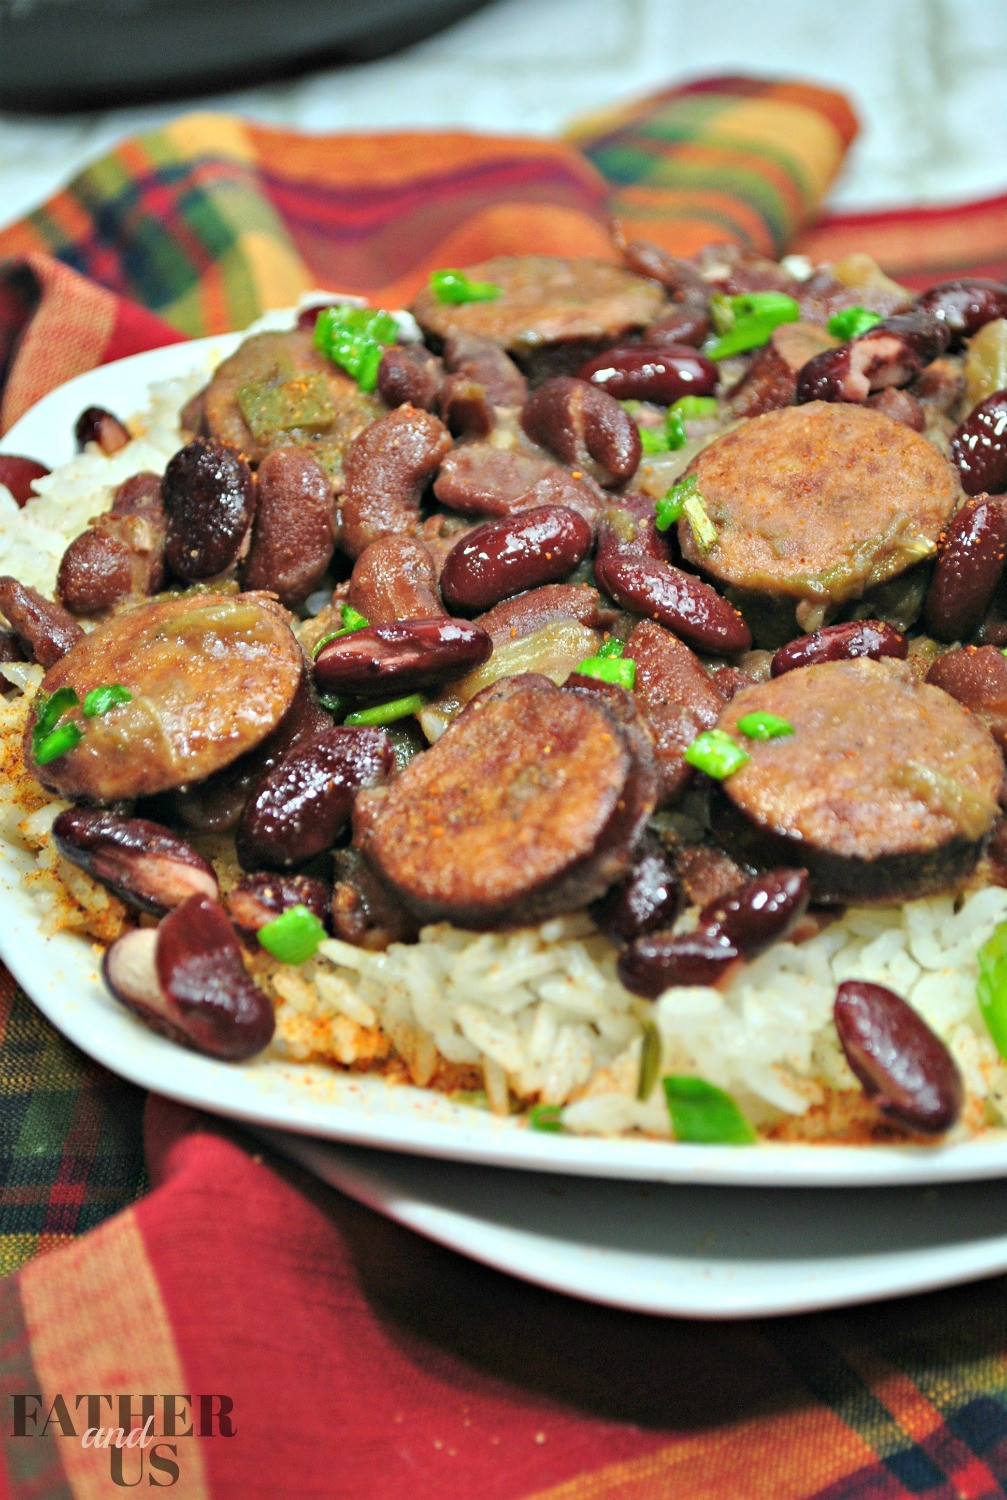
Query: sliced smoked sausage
[(886, 790), (529, 805), (210, 676)]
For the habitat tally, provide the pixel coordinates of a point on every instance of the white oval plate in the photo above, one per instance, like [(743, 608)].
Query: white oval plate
[(61, 975)]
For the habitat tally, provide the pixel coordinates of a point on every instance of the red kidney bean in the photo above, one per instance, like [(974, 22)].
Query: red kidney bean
[(146, 864), (261, 898), (401, 657), (388, 467), (903, 1066), (654, 962), (292, 537), (659, 373), (482, 361), (10, 647), (648, 897), (138, 495), (118, 558), (303, 804), (509, 556), (965, 306), (17, 473), (760, 912), (891, 353), (96, 425), (395, 578), (209, 498), (465, 407), (840, 643), (687, 323), (979, 447), (677, 276), (977, 677), (521, 616), (585, 427), (969, 565), (44, 628), (688, 606), (187, 981), (410, 375)]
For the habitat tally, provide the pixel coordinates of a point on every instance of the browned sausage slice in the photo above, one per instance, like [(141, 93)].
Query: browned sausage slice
[(886, 790), (546, 301), (819, 502), (529, 805), (211, 676)]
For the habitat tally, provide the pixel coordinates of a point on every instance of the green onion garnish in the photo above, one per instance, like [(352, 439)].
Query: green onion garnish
[(762, 726), (695, 408), (293, 936), (353, 621), (670, 506), (51, 710), (387, 713), (852, 322), (612, 647), (704, 1114), (452, 286), (100, 699), (57, 743), (748, 321), (991, 991), (546, 1117), (704, 533), (655, 440), (354, 338), (621, 671), (651, 1052), (715, 752)]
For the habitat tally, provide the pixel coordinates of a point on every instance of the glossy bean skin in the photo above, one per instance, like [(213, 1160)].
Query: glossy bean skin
[(760, 912), (647, 899), (45, 629), (209, 499), (977, 677), (121, 556), (409, 375), (660, 373), (655, 962), (96, 425), (968, 568), (260, 898), (303, 804), (685, 604), (979, 447), (507, 557), (891, 353), (903, 1066), (687, 323), (853, 638), (965, 306), (401, 657), (148, 865), (585, 427), (17, 474), (293, 536)]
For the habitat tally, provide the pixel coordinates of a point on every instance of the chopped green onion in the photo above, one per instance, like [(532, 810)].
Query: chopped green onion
[(293, 936), (704, 533), (57, 743), (715, 752), (721, 312), (852, 322), (651, 1052), (546, 1117), (621, 671), (612, 647), (670, 506), (353, 621), (654, 440), (455, 287), (674, 430), (763, 726), (991, 991), (354, 338), (704, 1114), (695, 408), (765, 305), (631, 406), (100, 699), (52, 709), (754, 316), (387, 713)]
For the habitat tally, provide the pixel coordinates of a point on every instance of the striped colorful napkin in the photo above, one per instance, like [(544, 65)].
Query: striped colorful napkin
[(283, 1341)]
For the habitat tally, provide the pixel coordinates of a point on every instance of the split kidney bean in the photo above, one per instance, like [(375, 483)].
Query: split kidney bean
[(303, 804), (904, 1067), (655, 962), (509, 556), (261, 898), (688, 606), (760, 912), (209, 499), (44, 628), (96, 425), (969, 565), (146, 864), (401, 657), (979, 447), (840, 643), (891, 353), (648, 898), (17, 473), (585, 427), (965, 306), (658, 372)]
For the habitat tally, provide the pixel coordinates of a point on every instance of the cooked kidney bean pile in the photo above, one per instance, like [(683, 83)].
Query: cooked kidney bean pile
[(481, 618)]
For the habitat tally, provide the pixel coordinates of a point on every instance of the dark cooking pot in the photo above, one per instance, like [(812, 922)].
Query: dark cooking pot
[(59, 54)]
